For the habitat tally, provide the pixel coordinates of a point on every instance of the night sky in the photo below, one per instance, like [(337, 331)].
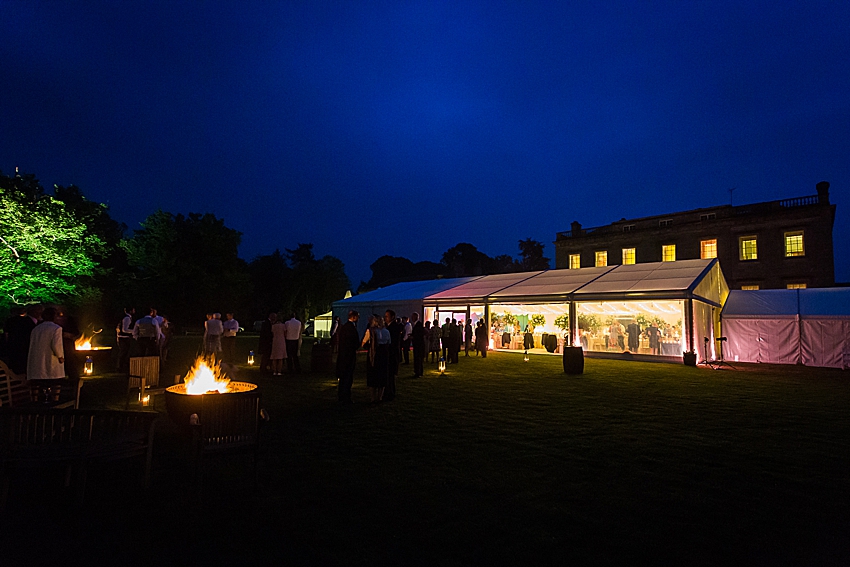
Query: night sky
[(403, 128)]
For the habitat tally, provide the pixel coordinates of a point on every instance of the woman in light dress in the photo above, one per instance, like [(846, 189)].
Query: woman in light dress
[(278, 347)]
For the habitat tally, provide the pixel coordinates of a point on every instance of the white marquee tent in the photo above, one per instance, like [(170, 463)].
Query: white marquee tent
[(793, 326), (691, 291)]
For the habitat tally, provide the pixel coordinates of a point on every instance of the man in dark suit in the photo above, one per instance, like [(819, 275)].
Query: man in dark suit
[(18, 330), (349, 342), (418, 338), (396, 330), (264, 348)]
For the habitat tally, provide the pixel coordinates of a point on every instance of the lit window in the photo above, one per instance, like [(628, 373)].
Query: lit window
[(748, 248), (628, 256), (575, 261), (708, 249), (668, 253), (749, 287), (794, 244), (601, 259), (796, 286)]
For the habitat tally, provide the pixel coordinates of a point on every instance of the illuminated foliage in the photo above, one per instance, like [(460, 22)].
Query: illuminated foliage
[(45, 252)]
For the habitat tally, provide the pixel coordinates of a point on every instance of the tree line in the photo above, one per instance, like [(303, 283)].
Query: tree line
[(60, 247)]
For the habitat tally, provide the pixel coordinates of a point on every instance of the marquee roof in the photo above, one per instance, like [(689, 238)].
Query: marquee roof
[(698, 279), (656, 279), (788, 303)]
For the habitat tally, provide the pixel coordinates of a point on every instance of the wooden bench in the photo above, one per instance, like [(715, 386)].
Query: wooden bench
[(33, 436), (14, 390), (17, 391)]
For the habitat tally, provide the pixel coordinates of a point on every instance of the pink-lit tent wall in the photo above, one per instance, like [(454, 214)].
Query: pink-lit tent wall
[(805, 326)]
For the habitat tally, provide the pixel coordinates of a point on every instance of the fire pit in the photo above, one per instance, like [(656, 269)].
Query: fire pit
[(99, 355), (213, 398)]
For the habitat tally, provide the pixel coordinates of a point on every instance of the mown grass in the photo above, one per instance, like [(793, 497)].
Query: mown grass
[(495, 462)]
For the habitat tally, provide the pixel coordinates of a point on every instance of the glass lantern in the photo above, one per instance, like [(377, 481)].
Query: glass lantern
[(88, 367), (250, 358)]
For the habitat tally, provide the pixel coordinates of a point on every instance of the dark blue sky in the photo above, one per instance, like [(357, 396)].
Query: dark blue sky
[(403, 128)]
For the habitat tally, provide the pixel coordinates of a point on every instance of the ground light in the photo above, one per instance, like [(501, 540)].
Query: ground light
[(525, 356), (88, 368), (442, 365), (251, 358)]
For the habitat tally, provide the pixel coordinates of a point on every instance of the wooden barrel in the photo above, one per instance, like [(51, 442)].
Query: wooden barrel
[(573, 360)]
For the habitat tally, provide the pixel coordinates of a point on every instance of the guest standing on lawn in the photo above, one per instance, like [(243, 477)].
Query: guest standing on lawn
[(349, 342), (396, 330), (278, 347), (212, 334), (481, 339), (46, 358), (293, 336), (435, 335), (377, 343), (419, 340), (230, 327)]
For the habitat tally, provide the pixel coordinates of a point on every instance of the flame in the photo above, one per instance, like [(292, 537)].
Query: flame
[(203, 378), (83, 343)]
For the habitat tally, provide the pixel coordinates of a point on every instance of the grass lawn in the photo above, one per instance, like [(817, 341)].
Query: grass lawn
[(495, 462)]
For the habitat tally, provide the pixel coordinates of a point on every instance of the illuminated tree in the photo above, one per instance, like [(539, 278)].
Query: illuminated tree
[(45, 252)]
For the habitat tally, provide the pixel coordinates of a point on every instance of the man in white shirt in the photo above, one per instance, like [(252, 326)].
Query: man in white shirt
[(292, 333), (148, 335), (228, 338)]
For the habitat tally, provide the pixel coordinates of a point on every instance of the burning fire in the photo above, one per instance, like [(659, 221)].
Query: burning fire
[(83, 343), (203, 378)]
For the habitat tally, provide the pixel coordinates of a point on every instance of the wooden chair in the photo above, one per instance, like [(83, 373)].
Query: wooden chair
[(144, 374)]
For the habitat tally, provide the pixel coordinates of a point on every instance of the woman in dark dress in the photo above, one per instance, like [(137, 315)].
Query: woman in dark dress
[(377, 344), (481, 339)]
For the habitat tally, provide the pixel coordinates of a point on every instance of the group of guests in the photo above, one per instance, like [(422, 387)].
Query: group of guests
[(149, 335), (220, 336), (280, 340), (38, 343), (388, 341), (619, 335)]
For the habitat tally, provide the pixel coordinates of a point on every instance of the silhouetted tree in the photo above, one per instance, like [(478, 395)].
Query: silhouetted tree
[(388, 270), (464, 259), (531, 252), (186, 266)]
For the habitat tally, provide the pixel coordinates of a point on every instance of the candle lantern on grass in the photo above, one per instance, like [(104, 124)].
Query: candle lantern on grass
[(251, 358), (88, 367)]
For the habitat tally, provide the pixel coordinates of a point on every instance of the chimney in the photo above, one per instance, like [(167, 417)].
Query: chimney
[(575, 228), (823, 192)]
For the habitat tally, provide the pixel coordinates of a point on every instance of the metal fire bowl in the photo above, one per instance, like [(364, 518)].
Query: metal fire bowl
[(181, 405)]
